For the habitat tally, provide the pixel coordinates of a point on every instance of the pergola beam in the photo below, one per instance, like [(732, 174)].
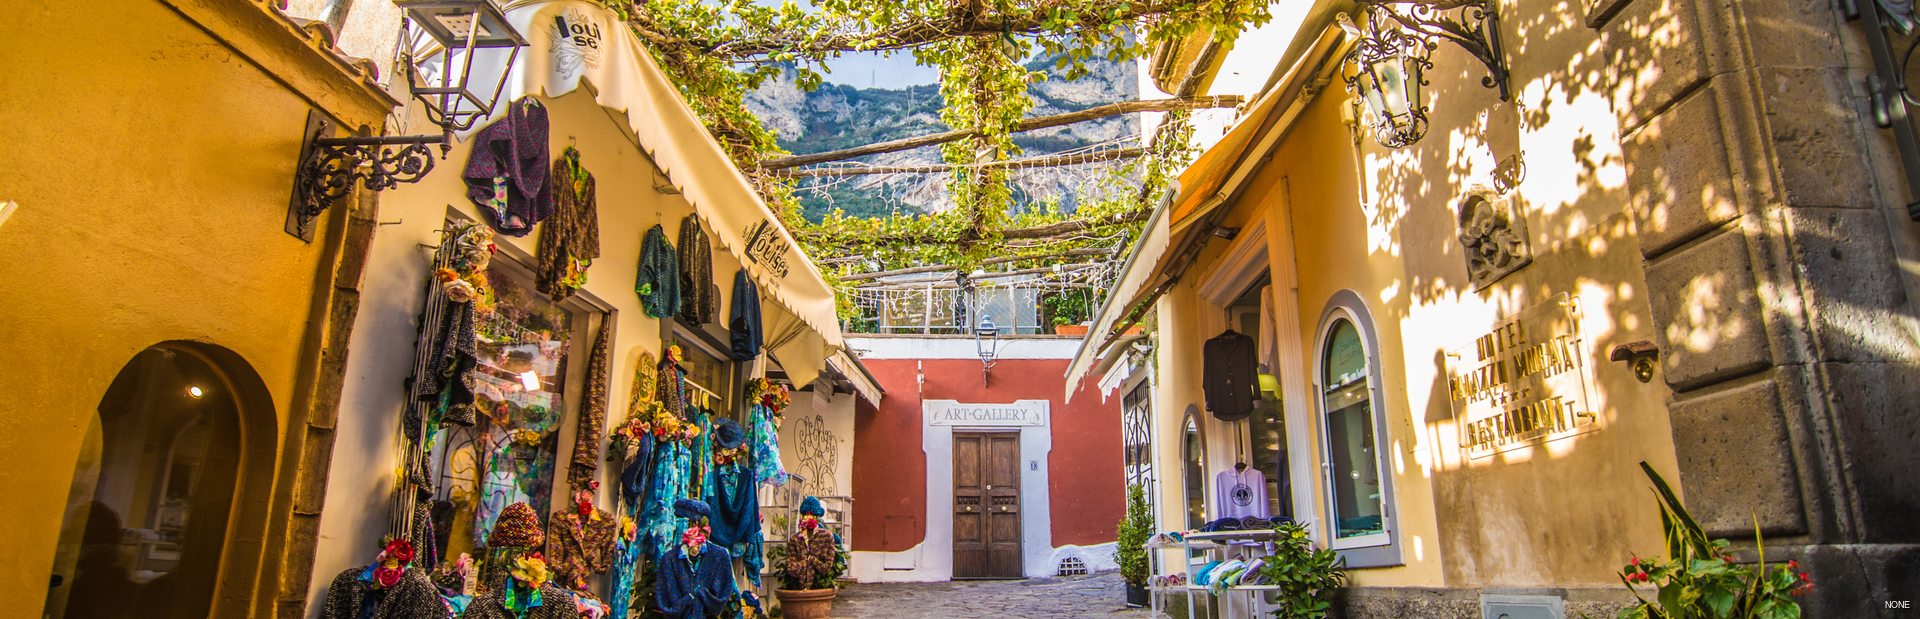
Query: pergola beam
[(1030, 124), (1047, 161)]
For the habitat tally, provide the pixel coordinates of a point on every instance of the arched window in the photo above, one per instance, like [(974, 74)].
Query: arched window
[(149, 506), (1192, 453), (1359, 490)]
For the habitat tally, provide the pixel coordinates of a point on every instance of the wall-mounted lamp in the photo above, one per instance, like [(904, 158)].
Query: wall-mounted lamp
[(1641, 356), (986, 340), (1388, 65), (468, 33)]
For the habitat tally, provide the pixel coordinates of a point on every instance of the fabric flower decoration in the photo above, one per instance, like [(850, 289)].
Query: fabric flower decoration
[(445, 275), (398, 551), (629, 529), (460, 291), (531, 569), (694, 537)]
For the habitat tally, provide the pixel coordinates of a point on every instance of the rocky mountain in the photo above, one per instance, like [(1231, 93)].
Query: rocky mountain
[(838, 116)]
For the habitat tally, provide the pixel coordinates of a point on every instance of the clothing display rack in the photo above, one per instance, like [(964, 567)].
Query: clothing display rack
[(1223, 546)]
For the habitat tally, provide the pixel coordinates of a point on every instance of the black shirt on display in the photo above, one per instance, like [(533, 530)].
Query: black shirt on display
[(1228, 376)]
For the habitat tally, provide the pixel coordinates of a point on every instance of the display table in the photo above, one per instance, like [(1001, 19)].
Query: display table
[(1223, 546)]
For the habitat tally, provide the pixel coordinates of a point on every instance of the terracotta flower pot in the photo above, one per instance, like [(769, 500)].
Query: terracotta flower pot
[(805, 603), (1070, 329)]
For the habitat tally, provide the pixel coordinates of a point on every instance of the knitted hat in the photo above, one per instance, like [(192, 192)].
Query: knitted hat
[(517, 528), (727, 434), (811, 506), (691, 509)]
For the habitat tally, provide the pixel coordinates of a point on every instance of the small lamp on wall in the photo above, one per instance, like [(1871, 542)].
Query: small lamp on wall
[(469, 34), (986, 340)]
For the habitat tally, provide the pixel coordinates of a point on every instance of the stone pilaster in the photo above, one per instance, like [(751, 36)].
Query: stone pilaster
[(1772, 252)]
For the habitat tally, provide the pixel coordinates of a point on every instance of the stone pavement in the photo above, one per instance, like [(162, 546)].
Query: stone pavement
[(1069, 597)]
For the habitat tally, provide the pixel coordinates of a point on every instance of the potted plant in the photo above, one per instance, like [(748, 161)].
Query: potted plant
[(1700, 577), (808, 566), (1306, 577), (1067, 310), (1131, 547)]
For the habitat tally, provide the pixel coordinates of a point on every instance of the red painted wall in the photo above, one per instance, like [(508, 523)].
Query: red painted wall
[(890, 470)]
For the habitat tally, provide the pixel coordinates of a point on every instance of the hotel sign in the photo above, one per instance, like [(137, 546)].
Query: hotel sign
[(1522, 383), (1016, 414)]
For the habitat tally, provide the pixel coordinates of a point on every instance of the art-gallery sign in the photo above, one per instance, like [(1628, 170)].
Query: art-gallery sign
[(1524, 382), (1016, 414)]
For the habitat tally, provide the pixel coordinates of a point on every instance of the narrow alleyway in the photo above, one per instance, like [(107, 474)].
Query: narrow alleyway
[(1097, 595)]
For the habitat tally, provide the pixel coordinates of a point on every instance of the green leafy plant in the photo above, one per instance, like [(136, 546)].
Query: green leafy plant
[(1700, 580), (1135, 527), (1306, 576), (1068, 306), (811, 559)]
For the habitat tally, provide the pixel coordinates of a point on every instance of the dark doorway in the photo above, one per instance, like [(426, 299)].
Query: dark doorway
[(986, 505)]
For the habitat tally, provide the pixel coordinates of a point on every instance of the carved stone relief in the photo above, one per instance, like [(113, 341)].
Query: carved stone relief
[(1493, 235)]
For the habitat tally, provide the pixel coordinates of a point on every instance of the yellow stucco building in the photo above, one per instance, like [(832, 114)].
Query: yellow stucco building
[(1452, 330), (169, 344)]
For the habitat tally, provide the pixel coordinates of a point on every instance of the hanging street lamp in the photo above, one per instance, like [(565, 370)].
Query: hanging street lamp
[(469, 34), (1387, 69)]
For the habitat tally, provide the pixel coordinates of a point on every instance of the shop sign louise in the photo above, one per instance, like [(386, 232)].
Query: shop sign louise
[(1522, 383)]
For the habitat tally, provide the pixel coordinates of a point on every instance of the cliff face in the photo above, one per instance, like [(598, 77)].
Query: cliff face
[(839, 116)]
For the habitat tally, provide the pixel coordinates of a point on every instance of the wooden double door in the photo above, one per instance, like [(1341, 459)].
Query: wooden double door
[(986, 505)]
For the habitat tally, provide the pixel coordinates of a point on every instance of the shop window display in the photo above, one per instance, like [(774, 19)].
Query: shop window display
[(1352, 451), (520, 392)]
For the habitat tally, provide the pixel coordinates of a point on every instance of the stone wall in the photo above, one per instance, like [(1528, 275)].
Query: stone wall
[(1772, 253)]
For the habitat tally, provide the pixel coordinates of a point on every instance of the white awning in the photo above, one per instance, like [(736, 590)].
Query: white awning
[(573, 43), (1141, 264), (856, 373)]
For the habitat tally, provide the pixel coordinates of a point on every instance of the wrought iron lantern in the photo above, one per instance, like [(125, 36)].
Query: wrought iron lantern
[(1387, 70), (467, 34), (986, 340)]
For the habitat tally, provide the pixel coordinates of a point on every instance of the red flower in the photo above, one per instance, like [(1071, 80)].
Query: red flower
[(400, 550), (1635, 562), (1792, 564), (1638, 577), (1805, 578)]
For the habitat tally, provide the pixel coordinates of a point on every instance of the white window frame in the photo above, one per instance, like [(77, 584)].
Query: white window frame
[(1376, 549)]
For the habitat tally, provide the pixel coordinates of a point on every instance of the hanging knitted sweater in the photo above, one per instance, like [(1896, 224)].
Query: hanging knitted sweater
[(745, 322), (699, 296), (507, 175), (658, 281), (593, 412), (354, 595), (570, 240), (736, 513), (698, 586), (552, 602)]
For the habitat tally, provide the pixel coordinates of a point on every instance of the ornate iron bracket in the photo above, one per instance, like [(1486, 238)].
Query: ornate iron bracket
[(1472, 25), (330, 166)]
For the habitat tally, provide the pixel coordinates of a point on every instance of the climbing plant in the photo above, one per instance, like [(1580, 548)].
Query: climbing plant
[(719, 51)]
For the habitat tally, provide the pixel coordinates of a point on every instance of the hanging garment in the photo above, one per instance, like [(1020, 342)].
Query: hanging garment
[(448, 380), (593, 413), (745, 321), (696, 586), (670, 389), (736, 514), (658, 280), (580, 546), (570, 240), (355, 595), (1242, 493), (658, 524), (699, 296), (763, 439), (507, 175), (1229, 376), (551, 602), (701, 483)]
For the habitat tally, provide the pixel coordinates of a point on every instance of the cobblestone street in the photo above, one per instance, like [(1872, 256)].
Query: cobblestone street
[(1097, 595)]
